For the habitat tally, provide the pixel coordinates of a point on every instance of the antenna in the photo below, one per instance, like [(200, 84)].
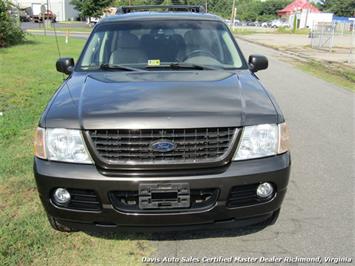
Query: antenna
[(55, 31), (56, 39), (55, 35)]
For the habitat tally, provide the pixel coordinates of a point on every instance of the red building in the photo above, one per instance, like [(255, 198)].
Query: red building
[(297, 5)]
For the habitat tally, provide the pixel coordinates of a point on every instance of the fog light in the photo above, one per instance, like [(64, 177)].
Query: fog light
[(61, 196), (265, 190)]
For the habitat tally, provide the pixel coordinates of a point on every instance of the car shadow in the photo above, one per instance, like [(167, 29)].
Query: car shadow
[(177, 235)]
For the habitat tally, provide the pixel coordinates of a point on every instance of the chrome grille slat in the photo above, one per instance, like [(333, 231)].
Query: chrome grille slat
[(113, 136), (144, 149), (120, 143), (192, 145), (180, 154), (176, 138)]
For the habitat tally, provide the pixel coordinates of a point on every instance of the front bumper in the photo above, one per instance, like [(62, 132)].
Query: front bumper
[(50, 175)]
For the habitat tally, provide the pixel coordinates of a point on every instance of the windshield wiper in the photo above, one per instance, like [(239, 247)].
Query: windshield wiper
[(191, 66), (178, 65), (118, 67)]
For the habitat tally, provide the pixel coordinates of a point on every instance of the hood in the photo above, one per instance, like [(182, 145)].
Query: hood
[(160, 99)]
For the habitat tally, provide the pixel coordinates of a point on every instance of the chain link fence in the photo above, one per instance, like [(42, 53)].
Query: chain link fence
[(322, 36), (328, 36), (352, 48)]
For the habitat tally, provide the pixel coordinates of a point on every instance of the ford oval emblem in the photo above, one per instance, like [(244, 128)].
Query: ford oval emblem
[(163, 145)]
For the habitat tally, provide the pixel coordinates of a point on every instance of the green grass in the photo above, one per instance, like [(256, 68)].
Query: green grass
[(285, 30), (337, 74), (70, 22), (243, 31), (282, 30), (72, 29), (249, 31), (27, 81)]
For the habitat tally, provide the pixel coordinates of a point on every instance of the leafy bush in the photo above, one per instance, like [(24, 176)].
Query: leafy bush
[(10, 32), (91, 8)]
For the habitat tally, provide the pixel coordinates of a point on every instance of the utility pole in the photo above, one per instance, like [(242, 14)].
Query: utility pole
[(233, 15), (233, 6), (42, 14)]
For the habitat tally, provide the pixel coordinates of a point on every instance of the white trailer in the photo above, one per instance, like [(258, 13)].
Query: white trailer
[(62, 8), (36, 9)]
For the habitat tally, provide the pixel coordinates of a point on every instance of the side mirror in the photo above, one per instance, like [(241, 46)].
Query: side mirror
[(258, 62), (65, 65)]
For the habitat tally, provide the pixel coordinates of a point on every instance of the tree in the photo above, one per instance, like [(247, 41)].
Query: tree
[(91, 8), (10, 32), (344, 8), (268, 9), (252, 10), (246, 9)]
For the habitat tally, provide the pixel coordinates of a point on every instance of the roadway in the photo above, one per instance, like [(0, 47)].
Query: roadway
[(317, 218)]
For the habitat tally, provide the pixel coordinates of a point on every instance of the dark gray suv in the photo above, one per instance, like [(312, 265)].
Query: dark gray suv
[(161, 125)]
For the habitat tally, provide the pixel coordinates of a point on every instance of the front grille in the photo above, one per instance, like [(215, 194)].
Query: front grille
[(82, 199), (134, 146), (245, 195)]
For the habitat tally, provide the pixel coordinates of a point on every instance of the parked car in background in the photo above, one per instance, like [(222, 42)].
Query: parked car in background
[(91, 21), (236, 22), (278, 23), (253, 24), (38, 17), (24, 16), (228, 22), (266, 24), (20, 14)]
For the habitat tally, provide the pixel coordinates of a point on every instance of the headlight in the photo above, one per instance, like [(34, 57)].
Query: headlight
[(262, 141), (63, 145)]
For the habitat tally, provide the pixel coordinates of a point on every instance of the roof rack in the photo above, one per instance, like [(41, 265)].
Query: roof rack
[(166, 8)]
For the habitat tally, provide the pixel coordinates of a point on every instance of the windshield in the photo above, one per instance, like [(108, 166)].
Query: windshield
[(155, 44)]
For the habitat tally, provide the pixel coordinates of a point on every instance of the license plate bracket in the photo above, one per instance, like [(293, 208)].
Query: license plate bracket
[(164, 196)]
